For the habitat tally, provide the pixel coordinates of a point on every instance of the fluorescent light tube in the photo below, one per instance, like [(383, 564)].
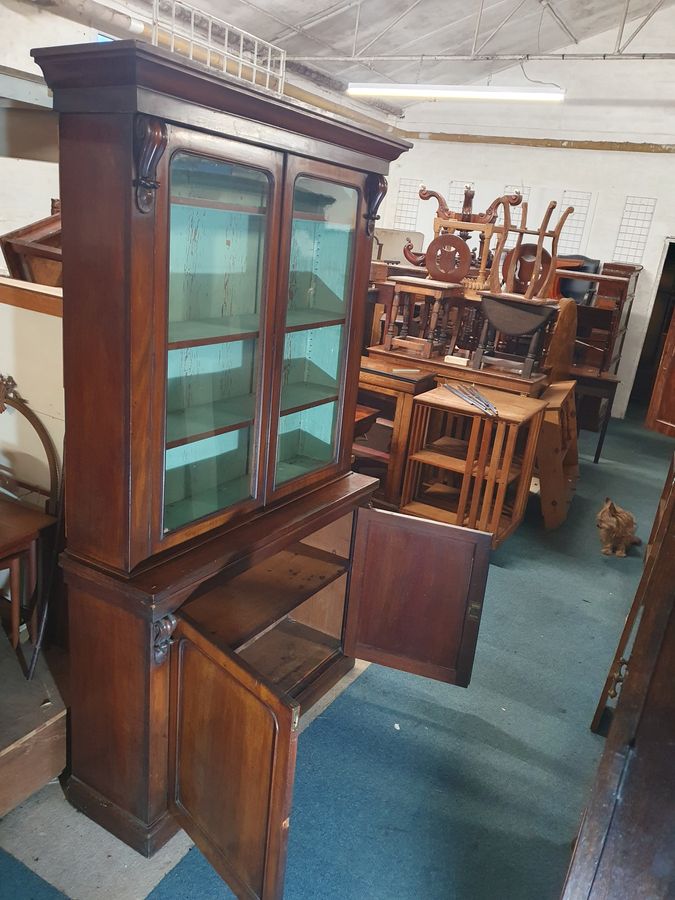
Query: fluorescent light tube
[(457, 92)]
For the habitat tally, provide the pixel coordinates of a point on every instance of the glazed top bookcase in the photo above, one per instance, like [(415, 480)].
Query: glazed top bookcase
[(223, 569), (214, 297)]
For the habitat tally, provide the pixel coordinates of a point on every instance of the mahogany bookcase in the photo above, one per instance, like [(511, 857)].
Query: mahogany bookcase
[(223, 565)]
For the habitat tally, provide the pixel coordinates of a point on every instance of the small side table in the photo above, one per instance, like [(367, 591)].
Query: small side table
[(470, 469), (592, 383), (20, 528), (400, 382), (436, 332)]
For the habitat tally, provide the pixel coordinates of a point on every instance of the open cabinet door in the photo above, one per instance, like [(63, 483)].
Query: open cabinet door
[(416, 594), (232, 746)]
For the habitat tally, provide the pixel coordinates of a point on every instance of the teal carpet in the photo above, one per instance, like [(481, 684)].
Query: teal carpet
[(407, 788)]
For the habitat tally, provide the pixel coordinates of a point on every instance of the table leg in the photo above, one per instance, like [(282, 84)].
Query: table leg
[(605, 423), (33, 593), (399, 445), (15, 597)]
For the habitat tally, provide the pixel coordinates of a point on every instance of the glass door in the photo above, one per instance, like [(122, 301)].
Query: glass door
[(219, 268), (322, 221)]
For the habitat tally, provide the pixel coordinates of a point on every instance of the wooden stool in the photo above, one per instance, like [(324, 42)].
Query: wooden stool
[(467, 468), (557, 456), (20, 528), (435, 332)]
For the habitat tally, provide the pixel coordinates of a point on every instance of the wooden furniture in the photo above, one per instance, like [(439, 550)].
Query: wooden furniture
[(661, 412), (364, 419), (514, 317), (382, 381), (212, 339), (557, 460), (490, 378), (36, 297), (625, 847), (617, 671), (600, 386), (434, 329), (20, 528), (467, 468), (33, 253)]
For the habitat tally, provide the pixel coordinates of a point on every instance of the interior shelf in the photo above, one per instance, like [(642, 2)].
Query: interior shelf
[(206, 502), (207, 419), (300, 319), (298, 465), (304, 395), (450, 454), (219, 204), (292, 655), (245, 607), (197, 332)]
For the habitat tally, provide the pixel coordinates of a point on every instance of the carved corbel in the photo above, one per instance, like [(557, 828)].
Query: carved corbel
[(443, 211), (161, 637), (8, 391), (150, 144), (376, 188), (489, 217)]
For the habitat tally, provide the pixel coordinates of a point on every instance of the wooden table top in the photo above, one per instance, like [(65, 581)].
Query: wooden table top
[(19, 524), (511, 407), (401, 372), (426, 285), (592, 372)]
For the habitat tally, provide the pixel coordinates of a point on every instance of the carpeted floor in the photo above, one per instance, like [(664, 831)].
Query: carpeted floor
[(407, 788)]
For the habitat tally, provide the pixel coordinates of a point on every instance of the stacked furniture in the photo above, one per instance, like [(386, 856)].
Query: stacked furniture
[(222, 565)]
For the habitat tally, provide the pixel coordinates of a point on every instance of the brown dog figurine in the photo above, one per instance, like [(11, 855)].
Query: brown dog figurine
[(617, 529)]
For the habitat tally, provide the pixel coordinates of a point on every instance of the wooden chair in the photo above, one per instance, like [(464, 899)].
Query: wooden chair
[(21, 524)]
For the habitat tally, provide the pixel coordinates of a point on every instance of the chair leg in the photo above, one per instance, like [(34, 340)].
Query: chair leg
[(33, 593), (15, 598)]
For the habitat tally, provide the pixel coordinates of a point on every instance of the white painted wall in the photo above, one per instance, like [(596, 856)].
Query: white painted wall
[(30, 343), (606, 101)]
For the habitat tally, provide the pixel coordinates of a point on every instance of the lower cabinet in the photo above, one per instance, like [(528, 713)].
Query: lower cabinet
[(250, 655)]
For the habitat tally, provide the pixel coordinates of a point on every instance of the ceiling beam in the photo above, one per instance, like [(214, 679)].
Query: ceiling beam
[(478, 18), (622, 25), (317, 19), (560, 21), (484, 57), (388, 27), (657, 6), (499, 27)]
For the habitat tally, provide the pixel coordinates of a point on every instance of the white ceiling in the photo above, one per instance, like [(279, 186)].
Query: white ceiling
[(422, 27)]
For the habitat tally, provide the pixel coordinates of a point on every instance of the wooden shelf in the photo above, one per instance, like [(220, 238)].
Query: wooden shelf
[(288, 469), (304, 319), (304, 395), (196, 423), (427, 511), (450, 454), (203, 203), (292, 656), (240, 610), (200, 332), (207, 502)]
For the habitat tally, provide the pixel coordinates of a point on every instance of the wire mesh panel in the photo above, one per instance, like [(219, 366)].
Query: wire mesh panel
[(211, 41), (407, 204), (573, 229), (456, 194), (636, 221)]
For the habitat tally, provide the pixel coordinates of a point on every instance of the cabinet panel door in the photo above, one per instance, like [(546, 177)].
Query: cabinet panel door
[(416, 595), (232, 746)]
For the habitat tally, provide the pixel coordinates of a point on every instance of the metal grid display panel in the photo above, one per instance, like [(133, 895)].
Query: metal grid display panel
[(456, 190), (407, 204), (636, 221), (572, 233)]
